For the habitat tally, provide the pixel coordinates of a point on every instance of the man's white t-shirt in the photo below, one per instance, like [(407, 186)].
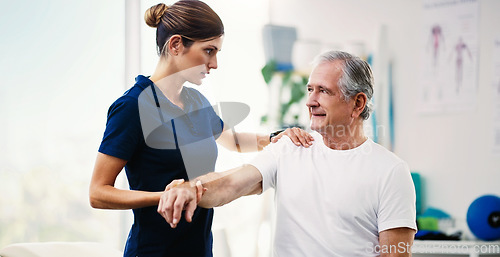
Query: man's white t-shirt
[(335, 202)]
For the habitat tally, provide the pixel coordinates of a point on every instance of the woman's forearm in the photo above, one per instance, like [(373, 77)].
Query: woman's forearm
[(252, 142), (109, 197), (243, 142), (104, 195)]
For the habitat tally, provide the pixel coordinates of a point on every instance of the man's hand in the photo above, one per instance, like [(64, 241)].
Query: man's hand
[(297, 135), (179, 196)]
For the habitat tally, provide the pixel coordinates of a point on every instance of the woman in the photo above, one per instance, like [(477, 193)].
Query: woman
[(160, 131)]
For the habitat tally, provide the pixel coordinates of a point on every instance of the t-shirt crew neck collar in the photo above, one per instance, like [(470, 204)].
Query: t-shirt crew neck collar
[(361, 147)]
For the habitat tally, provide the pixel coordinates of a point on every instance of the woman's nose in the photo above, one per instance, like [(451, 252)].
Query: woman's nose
[(213, 63)]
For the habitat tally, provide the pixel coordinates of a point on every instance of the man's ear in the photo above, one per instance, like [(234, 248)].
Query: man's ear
[(175, 45), (360, 101)]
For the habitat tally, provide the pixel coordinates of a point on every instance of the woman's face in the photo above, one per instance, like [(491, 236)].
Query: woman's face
[(196, 61)]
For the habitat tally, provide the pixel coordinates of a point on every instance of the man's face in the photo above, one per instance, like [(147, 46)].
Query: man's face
[(328, 110)]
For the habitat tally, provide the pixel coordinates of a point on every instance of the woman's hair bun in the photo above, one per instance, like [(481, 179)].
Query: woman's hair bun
[(154, 13)]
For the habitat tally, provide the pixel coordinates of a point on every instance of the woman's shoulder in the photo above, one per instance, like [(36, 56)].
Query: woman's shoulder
[(132, 94), (128, 100), (141, 83)]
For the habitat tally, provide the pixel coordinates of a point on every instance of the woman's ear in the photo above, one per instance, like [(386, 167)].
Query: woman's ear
[(360, 101), (175, 45)]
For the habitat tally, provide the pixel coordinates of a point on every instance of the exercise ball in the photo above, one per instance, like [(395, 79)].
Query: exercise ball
[(483, 217)]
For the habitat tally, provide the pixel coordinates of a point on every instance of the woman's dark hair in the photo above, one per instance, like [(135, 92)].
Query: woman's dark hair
[(193, 20)]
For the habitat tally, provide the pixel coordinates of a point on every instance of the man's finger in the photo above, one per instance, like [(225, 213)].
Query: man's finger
[(168, 208), (178, 206), (161, 207), (191, 206)]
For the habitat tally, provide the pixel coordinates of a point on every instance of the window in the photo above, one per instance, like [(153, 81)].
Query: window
[(62, 66)]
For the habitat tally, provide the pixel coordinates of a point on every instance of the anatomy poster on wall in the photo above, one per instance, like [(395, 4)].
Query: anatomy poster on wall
[(449, 55)]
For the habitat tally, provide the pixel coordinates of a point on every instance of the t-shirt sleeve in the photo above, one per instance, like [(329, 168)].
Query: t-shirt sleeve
[(397, 200), (267, 161), (123, 132)]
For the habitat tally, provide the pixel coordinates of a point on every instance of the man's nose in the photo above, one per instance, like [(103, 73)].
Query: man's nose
[(312, 101)]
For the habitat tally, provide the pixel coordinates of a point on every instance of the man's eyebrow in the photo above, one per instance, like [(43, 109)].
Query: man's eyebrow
[(320, 86)]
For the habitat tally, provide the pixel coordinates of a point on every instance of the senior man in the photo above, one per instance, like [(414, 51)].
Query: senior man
[(343, 196)]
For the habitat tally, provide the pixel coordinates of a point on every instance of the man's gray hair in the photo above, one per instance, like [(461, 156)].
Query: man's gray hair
[(356, 77)]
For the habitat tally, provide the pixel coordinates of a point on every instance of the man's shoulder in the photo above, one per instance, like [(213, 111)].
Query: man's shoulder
[(384, 157), (382, 151), (283, 143)]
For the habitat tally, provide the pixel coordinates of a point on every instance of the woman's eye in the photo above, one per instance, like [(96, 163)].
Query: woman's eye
[(209, 51)]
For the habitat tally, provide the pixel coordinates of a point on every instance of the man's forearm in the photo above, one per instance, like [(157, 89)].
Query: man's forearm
[(224, 187), (221, 187), (216, 191)]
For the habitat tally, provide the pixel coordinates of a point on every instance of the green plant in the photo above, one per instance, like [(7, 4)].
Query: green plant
[(290, 80)]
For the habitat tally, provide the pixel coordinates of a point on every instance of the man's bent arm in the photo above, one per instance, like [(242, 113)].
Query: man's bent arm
[(396, 242), (221, 188)]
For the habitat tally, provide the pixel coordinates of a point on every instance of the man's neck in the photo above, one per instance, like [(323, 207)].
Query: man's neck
[(343, 137)]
